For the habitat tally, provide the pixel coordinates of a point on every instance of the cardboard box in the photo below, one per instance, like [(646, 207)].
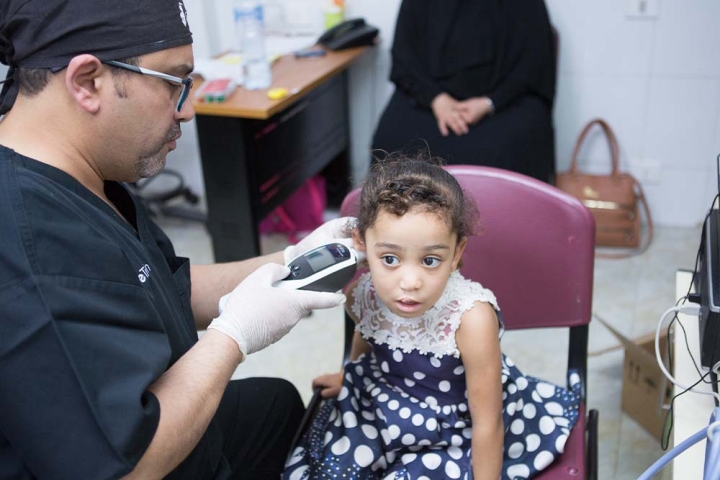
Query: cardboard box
[(646, 392)]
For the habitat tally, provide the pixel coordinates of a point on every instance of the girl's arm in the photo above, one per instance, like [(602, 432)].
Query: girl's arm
[(331, 383), (477, 340)]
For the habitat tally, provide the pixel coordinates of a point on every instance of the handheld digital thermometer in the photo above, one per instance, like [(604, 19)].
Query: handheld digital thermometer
[(327, 268)]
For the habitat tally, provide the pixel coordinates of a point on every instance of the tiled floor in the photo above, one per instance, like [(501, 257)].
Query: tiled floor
[(630, 294)]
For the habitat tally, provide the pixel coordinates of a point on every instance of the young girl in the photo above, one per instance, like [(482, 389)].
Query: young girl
[(428, 393)]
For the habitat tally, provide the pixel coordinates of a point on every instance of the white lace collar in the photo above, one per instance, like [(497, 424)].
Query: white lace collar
[(433, 332)]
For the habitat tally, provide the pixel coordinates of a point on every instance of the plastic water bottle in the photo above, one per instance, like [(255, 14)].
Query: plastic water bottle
[(249, 25)]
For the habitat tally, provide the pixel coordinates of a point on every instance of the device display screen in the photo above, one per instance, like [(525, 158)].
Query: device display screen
[(320, 258)]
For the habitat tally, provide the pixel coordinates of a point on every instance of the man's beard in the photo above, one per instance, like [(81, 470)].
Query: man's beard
[(151, 164)]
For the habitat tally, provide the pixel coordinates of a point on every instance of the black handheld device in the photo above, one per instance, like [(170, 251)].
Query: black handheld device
[(327, 268)]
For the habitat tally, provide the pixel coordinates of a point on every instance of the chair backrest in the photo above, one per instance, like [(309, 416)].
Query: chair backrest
[(535, 251)]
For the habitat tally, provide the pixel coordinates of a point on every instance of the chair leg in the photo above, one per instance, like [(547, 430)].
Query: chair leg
[(157, 203), (591, 460), (310, 412)]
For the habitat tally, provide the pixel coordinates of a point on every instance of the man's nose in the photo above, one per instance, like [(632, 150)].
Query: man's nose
[(187, 112)]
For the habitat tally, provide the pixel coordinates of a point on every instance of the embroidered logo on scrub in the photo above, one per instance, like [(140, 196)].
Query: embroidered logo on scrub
[(183, 13), (144, 273)]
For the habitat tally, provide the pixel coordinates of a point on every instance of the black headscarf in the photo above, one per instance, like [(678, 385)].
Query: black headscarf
[(49, 33)]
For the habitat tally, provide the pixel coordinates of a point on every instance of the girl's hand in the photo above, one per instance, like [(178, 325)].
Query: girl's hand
[(474, 109), (330, 384), (444, 107)]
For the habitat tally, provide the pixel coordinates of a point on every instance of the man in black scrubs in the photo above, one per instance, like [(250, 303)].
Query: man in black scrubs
[(101, 371)]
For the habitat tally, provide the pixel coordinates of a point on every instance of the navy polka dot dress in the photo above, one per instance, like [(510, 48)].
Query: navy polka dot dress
[(402, 412)]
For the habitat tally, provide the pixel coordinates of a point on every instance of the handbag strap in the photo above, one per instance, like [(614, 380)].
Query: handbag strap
[(612, 143), (651, 229)]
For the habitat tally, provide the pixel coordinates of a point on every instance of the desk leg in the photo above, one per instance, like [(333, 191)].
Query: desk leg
[(231, 220)]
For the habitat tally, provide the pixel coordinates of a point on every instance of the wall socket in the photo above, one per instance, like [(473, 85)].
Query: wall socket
[(642, 9)]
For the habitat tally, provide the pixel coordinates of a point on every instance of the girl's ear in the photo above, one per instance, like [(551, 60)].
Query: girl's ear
[(459, 249), (358, 241)]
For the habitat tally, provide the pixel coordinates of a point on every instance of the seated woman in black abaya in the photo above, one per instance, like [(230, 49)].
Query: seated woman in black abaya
[(475, 81)]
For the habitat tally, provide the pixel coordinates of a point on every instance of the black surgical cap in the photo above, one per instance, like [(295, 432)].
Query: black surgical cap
[(49, 33)]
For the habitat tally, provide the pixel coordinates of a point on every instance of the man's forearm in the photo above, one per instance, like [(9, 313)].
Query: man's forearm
[(210, 282), (189, 394)]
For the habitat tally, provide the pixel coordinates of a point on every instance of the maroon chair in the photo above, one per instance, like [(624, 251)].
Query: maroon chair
[(536, 253), (536, 250)]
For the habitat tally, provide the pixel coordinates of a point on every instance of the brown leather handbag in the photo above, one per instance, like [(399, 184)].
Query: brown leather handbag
[(614, 200)]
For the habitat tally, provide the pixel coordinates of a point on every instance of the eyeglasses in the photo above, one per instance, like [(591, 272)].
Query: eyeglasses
[(185, 83)]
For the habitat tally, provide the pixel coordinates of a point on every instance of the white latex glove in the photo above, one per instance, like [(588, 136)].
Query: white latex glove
[(256, 314), (337, 230)]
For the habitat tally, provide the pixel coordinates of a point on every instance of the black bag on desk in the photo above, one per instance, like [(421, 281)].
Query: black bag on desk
[(348, 34)]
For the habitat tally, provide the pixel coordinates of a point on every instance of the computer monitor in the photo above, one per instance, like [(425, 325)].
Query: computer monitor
[(707, 285)]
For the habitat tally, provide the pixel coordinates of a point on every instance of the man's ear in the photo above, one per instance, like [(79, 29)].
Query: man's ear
[(459, 249), (84, 80), (358, 241)]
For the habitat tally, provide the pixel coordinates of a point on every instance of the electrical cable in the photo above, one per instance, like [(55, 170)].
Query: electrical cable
[(712, 465), (664, 441), (712, 450), (688, 310), (674, 452), (688, 295), (693, 298), (668, 347)]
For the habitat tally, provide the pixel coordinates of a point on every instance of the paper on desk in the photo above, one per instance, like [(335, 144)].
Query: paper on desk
[(225, 66), (278, 45), (229, 64)]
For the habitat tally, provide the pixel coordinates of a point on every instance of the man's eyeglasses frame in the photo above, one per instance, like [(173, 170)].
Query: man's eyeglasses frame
[(186, 83)]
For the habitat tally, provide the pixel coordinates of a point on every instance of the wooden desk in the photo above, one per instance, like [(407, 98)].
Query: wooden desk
[(255, 152)]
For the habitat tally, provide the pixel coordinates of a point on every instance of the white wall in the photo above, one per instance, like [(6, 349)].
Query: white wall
[(656, 81), (186, 158), (370, 88)]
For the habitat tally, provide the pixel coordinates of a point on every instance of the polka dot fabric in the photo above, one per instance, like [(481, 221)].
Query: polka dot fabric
[(404, 415)]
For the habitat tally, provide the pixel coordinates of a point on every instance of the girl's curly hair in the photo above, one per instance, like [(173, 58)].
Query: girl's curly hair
[(400, 183)]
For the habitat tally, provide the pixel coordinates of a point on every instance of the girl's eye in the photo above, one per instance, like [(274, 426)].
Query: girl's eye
[(390, 260), (431, 261)]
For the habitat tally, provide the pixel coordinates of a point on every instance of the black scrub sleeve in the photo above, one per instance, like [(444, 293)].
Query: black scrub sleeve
[(527, 56), (408, 71), (73, 383)]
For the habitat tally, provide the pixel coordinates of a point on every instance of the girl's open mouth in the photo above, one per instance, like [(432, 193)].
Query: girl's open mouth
[(407, 305)]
